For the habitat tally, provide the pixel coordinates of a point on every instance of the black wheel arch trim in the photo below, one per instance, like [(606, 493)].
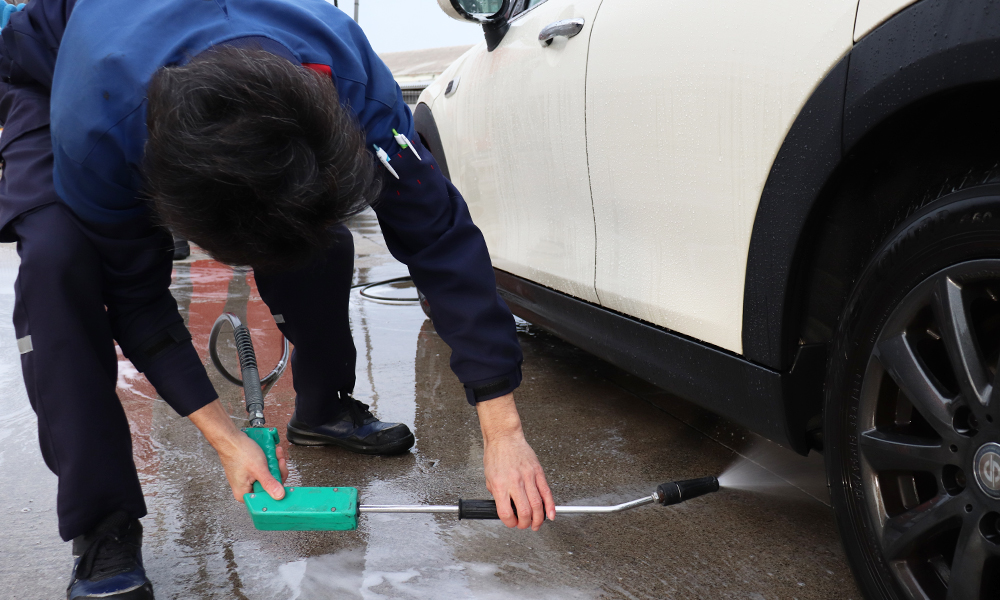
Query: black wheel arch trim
[(426, 126), (754, 396), (928, 48)]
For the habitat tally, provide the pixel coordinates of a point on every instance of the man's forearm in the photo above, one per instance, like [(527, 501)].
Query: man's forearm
[(143, 313), (427, 226)]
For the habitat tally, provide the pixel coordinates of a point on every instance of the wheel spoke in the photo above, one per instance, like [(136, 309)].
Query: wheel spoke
[(901, 533), (899, 360), (993, 402), (971, 554), (953, 319), (889, 452)]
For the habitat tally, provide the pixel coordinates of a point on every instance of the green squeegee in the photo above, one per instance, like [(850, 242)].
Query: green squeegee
[(336, 508), (302, 508)]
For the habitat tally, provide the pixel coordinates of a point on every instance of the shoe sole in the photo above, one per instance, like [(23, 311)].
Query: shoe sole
[(144, 592), (307, 438)]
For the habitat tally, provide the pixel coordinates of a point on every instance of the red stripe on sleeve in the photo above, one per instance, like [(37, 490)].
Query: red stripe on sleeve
[(324, 69)]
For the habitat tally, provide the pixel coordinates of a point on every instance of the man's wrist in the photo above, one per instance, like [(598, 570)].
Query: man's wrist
[(216, 425), (489, 389), (498, 418)]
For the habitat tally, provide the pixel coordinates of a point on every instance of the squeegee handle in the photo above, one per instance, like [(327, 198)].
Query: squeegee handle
[(480, 509), (267, 438)]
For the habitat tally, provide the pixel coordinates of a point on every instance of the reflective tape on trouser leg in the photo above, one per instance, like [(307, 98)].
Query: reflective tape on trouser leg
[(24, 344)]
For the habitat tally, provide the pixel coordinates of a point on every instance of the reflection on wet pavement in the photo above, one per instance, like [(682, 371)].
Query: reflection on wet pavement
[(603, 436)]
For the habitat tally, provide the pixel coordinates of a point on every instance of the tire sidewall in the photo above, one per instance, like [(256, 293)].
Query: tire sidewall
[(956, 228)]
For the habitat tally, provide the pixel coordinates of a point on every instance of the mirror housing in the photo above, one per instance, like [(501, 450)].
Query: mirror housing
[(462, 10), (495, 25)]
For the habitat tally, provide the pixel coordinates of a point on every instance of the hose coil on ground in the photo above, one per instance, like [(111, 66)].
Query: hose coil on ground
[(367, 286)]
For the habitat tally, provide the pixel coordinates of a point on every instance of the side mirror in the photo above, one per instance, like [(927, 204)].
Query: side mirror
[(476, 11), (493, 15)]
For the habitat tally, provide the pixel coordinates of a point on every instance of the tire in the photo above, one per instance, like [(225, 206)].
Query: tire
[(904, 413)]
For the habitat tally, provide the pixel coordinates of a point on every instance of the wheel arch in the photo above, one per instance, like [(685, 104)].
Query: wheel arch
[(427, 129), (934, 53)]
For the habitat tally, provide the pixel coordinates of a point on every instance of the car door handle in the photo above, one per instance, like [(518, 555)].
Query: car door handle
[(566, 28)]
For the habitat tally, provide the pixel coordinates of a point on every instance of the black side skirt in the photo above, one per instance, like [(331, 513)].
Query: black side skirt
[(773, 404)]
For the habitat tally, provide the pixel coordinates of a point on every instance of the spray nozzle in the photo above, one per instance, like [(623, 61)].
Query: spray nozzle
[(676, 492)]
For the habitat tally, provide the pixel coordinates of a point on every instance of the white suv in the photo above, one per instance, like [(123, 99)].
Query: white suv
[(786, 211)]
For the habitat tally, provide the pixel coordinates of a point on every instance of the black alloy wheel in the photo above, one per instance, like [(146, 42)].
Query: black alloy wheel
[(913, 407), (926, 412)]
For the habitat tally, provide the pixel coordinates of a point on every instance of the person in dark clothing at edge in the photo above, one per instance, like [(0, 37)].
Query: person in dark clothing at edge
[(252, 128)]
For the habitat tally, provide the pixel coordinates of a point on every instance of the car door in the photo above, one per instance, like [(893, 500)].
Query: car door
[(687, 106), (519, 127)]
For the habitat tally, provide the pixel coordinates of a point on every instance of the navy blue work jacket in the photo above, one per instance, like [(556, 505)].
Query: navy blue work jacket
[(94, 59)]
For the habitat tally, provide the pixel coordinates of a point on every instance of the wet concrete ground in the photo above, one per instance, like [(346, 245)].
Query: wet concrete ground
[(602, 435)]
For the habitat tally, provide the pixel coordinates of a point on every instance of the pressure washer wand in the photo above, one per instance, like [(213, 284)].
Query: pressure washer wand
[(666, 494)]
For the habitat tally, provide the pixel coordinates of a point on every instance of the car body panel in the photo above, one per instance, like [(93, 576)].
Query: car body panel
[(439, 110), (679, 152), (515, 135), (872, 13)]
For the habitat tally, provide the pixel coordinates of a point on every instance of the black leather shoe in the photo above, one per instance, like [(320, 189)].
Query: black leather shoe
[(356, 429)]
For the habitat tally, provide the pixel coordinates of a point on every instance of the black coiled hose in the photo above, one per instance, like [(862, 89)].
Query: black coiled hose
[(367, 286), (251, 377), (254, 386)]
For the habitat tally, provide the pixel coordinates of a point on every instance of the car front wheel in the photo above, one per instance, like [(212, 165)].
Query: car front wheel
[(912, 412)]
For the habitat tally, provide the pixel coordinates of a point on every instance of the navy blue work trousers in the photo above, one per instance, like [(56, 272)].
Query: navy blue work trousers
[(72, 304)]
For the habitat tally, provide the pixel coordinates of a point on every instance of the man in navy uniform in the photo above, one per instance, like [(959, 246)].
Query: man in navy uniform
[(253, 128)]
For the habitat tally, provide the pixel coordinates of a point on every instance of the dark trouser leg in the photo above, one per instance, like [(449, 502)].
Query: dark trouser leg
[(314, 301), (70, 370)]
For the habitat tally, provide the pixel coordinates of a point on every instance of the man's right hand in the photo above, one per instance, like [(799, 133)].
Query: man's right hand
[(245, 463), (513, 473), (241, 457)]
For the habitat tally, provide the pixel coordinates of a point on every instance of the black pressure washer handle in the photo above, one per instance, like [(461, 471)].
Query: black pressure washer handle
[(480, 509)]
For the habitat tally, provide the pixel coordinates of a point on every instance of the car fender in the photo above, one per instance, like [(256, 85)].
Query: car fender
[(872, 13), (928, 48)]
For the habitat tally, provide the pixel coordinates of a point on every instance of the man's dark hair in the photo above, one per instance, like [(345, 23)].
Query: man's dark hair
[(253, 157)]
